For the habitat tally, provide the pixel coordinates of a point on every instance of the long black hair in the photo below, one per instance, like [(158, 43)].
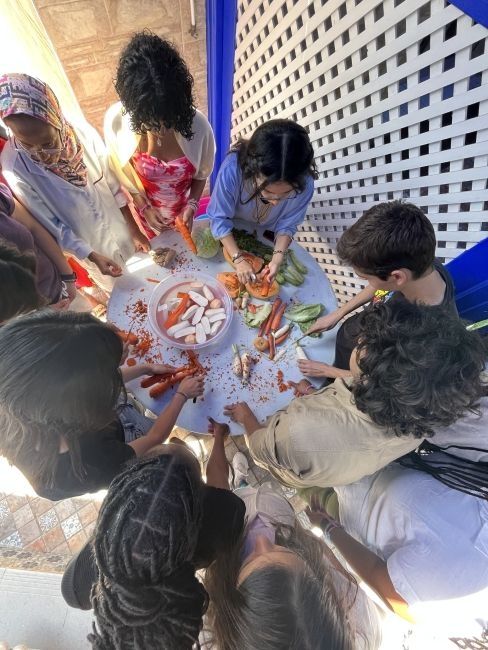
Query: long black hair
[(59, 379), (155, 86), (278, 151), (420, 368), (147, 595), (18, 290)]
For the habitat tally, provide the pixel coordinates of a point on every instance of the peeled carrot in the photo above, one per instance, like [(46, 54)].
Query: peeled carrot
[(163, 386), (184, 231), (274, 309), (178, 311), (147, 382), (283, 337), (277, 317)]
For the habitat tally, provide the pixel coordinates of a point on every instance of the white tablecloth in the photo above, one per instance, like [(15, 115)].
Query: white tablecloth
[(221, 386)]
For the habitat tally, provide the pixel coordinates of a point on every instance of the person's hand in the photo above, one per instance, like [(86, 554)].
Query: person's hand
[(270, 271), (141, 242), (105, 265), (311, 368), (218, 428), (71, 291), (238, 412), (158, 369), (187, 216), (154, 219), (325, 323), (244, 271), (316, 513), (61, 305), (192, 386), (301, 388)]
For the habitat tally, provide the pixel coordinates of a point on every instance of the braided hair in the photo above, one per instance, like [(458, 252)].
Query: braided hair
[(147, 595)]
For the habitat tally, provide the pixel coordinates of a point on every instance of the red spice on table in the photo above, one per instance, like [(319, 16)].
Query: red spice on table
[(282, 385), (131, 361), (152, 280)]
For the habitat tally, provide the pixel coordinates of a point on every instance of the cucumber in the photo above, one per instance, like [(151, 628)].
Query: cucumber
[(280, 278), (292, 279), (301, 268)]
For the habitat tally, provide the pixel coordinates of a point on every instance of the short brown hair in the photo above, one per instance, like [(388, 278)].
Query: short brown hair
[(387, 237)]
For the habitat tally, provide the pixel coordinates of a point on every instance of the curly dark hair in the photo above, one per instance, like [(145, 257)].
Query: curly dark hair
[(155, 86), (278, 150), (147, 594), (420, 368), (389, 236)]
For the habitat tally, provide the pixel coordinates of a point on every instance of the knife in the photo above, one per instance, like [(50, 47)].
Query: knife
[(284, 350)]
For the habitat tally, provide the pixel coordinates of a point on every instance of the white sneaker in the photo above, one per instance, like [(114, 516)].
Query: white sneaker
[(240, 466)]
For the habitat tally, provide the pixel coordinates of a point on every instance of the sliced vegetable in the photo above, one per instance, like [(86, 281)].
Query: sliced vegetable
[(190, 312), (206, 324), (301, 268), (231, 283), (255, 320), (211, 312), (215, 317), (261, 344), (207, 293), (198, 299), (245, 300), (200, 334), (303, 313), (197, 316), (276, 305), (182, 228), (236, 361), (186, 331), (215, 303), (262, 289), (191, 339), (214, 327), (179, 326)]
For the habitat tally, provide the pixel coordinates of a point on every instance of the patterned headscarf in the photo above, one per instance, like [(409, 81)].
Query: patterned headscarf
[(21, 94)]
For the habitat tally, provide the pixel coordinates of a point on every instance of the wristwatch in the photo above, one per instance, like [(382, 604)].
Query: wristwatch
[(68, 277)]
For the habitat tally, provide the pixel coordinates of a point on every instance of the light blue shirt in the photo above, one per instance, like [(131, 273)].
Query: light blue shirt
[(229, 201)]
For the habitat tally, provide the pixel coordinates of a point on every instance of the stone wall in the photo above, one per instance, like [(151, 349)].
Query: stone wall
[(89, 34)]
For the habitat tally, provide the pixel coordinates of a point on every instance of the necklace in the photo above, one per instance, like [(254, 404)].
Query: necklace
[(262, 210)]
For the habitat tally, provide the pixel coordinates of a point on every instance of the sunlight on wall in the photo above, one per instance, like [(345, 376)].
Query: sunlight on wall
[(26, 47)]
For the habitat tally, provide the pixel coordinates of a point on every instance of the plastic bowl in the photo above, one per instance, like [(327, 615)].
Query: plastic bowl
[(168, 288)]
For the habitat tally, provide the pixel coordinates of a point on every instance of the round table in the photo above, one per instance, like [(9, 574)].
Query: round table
[(132, 291)]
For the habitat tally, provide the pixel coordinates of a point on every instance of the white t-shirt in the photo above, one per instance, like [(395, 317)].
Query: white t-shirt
[(434, 540)]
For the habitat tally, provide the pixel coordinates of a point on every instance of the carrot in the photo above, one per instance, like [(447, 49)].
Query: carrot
[(282, 338), (131, 361), (184, 231), (272, 348), (274, 309), (265, 287), (277, 317), (163, 386), (128, 337), (147, 382), (178, 311)]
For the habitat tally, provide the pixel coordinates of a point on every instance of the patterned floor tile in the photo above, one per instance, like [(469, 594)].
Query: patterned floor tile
[(48, 520), (38, 546), (64, 509), (15, 502), (54, 538), (30, 532), (63, 548), (87, 514), (77, 542), (90, 528), (14, 540), (7, 526), (40, 506), (23, 515), (4, 510), (71, 526)]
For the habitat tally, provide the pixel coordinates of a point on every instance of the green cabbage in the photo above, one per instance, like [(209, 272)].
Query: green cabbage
[(206, 245)]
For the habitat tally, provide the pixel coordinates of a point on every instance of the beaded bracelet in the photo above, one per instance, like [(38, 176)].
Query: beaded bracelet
[(279, 252)]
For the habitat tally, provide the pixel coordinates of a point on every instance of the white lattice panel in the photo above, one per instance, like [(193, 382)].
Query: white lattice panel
[(394, 95)]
